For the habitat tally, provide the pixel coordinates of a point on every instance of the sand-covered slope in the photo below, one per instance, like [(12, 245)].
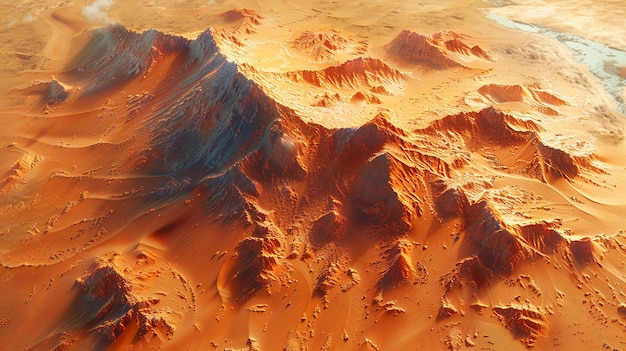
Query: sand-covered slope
[(392, 183)]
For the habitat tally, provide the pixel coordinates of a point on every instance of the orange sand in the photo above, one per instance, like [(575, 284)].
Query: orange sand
[(281, 175)]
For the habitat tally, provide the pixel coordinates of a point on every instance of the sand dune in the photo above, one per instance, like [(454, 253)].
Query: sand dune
[(276, 175)]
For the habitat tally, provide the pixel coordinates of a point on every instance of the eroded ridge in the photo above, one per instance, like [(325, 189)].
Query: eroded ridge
[(442, 50), (122, 295), (230, 213)]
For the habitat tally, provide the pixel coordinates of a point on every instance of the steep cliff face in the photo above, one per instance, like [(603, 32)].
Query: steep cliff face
[(114, 54), (498, 247), (257, 267)]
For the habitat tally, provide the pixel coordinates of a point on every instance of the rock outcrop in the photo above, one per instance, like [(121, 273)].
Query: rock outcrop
[(440, 50)]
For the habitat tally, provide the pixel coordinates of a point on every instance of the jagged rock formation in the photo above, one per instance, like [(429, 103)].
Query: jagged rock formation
[(374, 198), (55, 92), (441, 50), (504, 93), (50, 92), (360, 97), (544, 236), (498, 247), (400, 267), (258, 264), (115, 54), (536, 159), (446, 310), (353, 74), (323, 46), (469, 271), (524, 321), (328, 279), (18, 173), (533, 96), (212, 171), (114, 297), (328, 100), (329, 226)]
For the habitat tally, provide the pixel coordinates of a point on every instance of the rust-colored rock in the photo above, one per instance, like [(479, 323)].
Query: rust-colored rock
[(436, 50), (526, 323)]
